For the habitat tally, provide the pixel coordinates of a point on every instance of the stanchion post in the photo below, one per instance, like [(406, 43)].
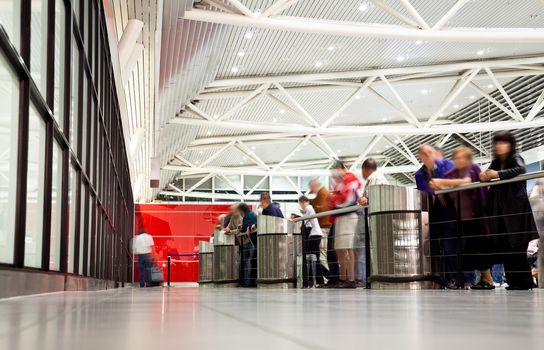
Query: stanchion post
[(367, 250), (169, 260), (459, 232)]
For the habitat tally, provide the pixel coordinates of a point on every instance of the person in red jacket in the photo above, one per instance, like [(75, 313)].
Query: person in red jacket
[(346, 191)]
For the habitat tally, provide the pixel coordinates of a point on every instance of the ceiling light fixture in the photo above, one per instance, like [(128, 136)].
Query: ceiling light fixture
[(400, 58), (331, 48), (357, 97), (318, 64), (363, 6), (275, 120), (472, 97), (248, 35), (209, 133), (490, 86), (455, 106), (480, 52), (419, 42), (241, 53), (235, 69), (215, 116), (282, 111), (424, 92)]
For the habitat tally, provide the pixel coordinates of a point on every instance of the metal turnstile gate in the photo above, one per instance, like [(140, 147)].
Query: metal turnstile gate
[(205, 263)]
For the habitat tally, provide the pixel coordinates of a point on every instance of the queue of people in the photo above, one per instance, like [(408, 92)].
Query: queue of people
[(497, 223)]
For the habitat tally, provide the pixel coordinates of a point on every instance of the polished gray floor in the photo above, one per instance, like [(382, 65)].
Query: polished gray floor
[(183, 318)]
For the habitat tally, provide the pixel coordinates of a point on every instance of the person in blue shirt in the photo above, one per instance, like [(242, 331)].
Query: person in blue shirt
[(249, 246), (432, 168), (269, 208), (442, 234)]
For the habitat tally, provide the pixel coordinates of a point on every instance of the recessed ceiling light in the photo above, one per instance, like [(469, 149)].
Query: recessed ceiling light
[(424, 92), (490, 86), (200, 152), (357, 97), (378, 151), (331, 48), (386, 146), (400, 58), (241, 53), (440, 114), (282, 111), (397, 141), (209, 133), (257, 13), (215, 116), (253, 147), (455, 106), (274, 120), (472, 97), (235, 69), (419, 42), (241, 163), (363, 7), (480, 52), (318, 64), (245, 158), (338, 151), (384, 119), (197, 162), (248, 35)]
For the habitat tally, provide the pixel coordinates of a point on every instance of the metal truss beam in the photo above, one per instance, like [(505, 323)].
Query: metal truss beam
[(350, 29)]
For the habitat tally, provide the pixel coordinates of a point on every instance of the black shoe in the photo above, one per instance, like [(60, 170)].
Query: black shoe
[(519, 288), (331, 284), (483, 285)]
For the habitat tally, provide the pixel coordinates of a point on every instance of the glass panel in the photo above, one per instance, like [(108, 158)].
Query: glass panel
[(10, 19), (82, 227), (56, 214), (92, 143), (9, 118), (74, 97), (76, 6), (38, 43), (60, 28), (90, 236), (83, 158), (72, 188), (34, 189)]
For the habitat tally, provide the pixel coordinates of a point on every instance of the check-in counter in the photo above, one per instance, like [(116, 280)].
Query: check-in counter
[(205, 263), (399, 238), (226, 260), (276, 252)]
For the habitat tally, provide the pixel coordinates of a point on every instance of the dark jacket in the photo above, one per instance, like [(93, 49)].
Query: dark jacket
[(508, 204), (273, 210)]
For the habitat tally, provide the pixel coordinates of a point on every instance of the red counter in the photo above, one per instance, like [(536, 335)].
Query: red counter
[(177, 229)]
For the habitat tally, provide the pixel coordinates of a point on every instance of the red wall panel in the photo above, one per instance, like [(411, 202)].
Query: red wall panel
[(177, 229)]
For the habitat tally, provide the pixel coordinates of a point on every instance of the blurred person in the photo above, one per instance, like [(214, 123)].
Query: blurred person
[(474, 226), (434, 168), (142, 246), (372, 176), (313, 240), (346, 193), (269, 208), (234, 223), (439, 153), (249, 245), (537, 204), (512, 220), (327, 258)]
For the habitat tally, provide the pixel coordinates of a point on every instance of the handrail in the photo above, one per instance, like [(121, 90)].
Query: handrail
[(345, 210), (474, 185)]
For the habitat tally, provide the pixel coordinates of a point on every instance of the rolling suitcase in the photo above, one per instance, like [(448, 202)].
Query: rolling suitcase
[(155, 276)]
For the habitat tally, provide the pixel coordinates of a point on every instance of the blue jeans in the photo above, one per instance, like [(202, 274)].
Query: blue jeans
[(144, 262), (498, 273), (248, 263), (360, 265)]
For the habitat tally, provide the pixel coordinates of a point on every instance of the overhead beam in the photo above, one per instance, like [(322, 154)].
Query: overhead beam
[(403, 80), (451, 12), (283, 172), (355, 130), (385, 7), (359, 74), (353, 29), (413, 12), (537, 107)]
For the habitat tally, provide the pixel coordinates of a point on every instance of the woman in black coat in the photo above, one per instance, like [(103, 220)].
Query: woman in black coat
[(512, 221)]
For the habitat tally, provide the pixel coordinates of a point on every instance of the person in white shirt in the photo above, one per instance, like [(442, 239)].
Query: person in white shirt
[(315, 271), (372, 177), (142, 246)]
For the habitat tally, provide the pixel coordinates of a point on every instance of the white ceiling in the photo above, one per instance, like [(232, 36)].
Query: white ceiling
[(206, 69)]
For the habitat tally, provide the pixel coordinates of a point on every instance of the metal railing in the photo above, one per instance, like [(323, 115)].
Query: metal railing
[(350, 209), (495, 182)]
